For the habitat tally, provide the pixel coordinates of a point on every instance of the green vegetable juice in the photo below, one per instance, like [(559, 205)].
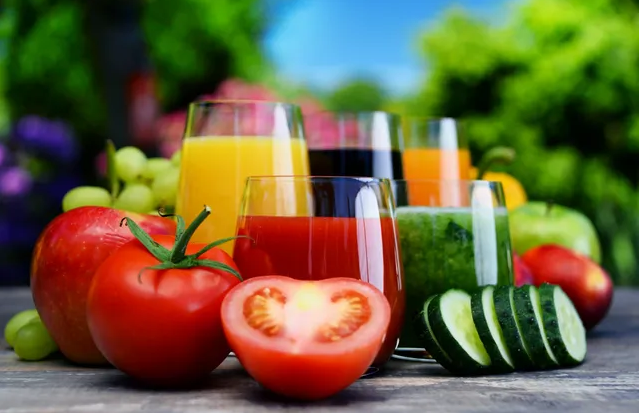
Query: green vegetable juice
[(445, 248)]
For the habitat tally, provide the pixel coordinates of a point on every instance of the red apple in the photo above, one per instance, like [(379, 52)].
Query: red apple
[(586, 283), (522, 272), (66, 255)]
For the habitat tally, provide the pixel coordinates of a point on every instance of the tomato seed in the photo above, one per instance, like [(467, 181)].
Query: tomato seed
[(258, 310), (356, 312)]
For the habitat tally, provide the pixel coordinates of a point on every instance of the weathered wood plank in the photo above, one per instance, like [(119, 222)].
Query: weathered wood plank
[(608, 381)]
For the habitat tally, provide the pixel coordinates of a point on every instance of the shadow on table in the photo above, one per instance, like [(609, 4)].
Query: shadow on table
[(346, 397), (219, 379)]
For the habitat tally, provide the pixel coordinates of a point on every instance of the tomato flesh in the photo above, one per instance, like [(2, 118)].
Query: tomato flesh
[(310, 315), (305, 339)]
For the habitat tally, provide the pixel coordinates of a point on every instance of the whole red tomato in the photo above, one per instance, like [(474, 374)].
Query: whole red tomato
[(66, 255), (154, 310), (305, 339)]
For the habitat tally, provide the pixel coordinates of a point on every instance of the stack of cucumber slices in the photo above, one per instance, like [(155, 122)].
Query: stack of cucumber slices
[(503, 329)]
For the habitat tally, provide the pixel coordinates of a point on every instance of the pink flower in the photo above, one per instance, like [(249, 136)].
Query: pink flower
[(170, 129), (238, 89), (101, 164)]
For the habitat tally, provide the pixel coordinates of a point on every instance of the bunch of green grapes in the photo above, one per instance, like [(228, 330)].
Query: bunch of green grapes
[(28, 337), (147, 184)]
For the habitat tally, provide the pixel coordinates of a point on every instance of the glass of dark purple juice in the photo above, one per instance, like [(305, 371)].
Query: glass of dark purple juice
[(356, 144)]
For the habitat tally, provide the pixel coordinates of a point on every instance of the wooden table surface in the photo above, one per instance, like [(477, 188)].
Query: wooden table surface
[(607, 382)]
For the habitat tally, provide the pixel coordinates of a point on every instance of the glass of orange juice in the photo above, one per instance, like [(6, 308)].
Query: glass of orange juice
[(434, 149), (224, 143)]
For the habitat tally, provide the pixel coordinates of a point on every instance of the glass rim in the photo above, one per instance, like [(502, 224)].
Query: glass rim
[(205, 102), (447, 181), (353, 113), (431, 119), (290, 178)]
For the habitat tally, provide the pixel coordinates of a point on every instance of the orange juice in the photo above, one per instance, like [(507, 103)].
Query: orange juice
[(433, 163), (214, 172)]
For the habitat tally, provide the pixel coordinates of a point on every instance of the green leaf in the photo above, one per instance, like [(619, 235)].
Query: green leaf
[(218, 266), (112, 177)]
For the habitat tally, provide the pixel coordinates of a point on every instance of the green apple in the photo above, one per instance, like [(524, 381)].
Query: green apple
[(538, 223)]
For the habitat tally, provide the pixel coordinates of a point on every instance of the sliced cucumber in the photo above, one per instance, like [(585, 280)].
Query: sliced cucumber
[(564, 330), (503, 298), (489, 330), (532, 328), (536, 302), (429, 341), (451, 320)]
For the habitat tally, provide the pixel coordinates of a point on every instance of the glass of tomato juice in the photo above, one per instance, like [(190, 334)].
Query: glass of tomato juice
[(314, 228), (225, 141)]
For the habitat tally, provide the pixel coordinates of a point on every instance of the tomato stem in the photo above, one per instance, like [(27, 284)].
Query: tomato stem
[(158, 251), (549, 206), (180, 221), (182, 239), (499, 154), (176, 258)]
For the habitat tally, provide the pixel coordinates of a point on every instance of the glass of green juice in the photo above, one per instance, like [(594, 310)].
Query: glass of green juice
[(455, 237)]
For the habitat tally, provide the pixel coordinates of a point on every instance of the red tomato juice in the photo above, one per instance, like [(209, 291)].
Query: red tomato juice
[(316, 248)]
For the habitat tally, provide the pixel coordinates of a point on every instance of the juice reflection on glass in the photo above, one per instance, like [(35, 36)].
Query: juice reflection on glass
[(348, 232), (224, 144), (434, 149)]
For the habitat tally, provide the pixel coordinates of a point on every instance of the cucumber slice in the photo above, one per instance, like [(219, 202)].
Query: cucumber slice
[(489, 330), (564, 330), (425, 332), (531, 325), (451, 320), (505, 309)]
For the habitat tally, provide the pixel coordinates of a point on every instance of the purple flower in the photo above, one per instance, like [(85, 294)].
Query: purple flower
[(54, 189), (18, 233), (14, 181), (4, 155), (52, 138)]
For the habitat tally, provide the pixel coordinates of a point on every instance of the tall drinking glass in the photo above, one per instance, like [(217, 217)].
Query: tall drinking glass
[(356, 144), (314, 228), (458, 237), (224, 143), (434, 149)]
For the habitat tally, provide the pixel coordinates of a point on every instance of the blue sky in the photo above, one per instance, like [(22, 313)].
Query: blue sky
[(324, 42)]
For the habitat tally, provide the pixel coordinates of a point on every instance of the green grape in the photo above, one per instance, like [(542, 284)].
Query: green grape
[(86, 196), (176, 158), (165, 187), (16, 322), (135, 198), (129, 163), (154, 212), (33, 341), (153, 167)]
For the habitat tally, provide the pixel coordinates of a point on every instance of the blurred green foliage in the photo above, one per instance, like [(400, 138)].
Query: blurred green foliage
[(196, 44), (559, 82), (359, 94), (193, 46), (48, 67), (6, 28)]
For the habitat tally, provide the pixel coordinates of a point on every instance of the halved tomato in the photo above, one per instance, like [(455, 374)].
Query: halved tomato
[(305, 339)]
